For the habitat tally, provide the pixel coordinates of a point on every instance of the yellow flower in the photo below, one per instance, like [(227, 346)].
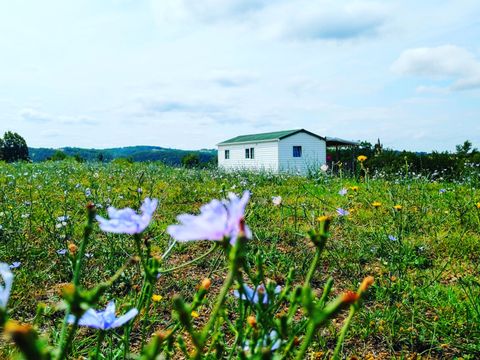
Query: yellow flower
[(478, 205), (354, 188), (324, 218), (362, 158), (195, 314), (376, 204), (397, 207), (157, 298)]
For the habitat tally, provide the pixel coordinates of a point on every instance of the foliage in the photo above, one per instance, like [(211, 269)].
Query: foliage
[(13, 147), (191, 160), (420, 241)]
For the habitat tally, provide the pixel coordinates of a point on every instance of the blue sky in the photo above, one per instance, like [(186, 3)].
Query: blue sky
[(189, 74)]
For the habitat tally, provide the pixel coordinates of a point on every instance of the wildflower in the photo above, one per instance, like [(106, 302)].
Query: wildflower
[(157, 298), (104, 320), (276, 200), (127, 221), (255, 295), (88, 255), (397, 207), (477, 205), (62, 251), (88, 192), (354, 188), (324, 218), (376, 204), (15, 265), (63, 218), (324, 167), (272, 339), (392, 238), (194, 314), (350, 297), (343, 192), (362, 158), (5, 289), (442, 191), (342, 212), (217, 220)]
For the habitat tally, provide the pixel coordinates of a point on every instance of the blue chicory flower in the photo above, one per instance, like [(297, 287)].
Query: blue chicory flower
[(5, 289), (343, 192), (62, 251), (127, 221), (216, 221), (255, 295), (392, 238), (104, 320), (342, 212), (441, 191), (15, 265)]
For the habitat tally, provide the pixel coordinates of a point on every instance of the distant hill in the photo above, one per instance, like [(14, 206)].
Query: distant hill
[(135, 153)]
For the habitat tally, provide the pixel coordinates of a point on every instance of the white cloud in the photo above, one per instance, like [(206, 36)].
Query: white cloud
[(35, 116), (324, 20), (447, 62)]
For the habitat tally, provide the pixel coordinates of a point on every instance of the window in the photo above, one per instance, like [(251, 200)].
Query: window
[(247, 153), (297, 151), (227, 154), (252, 153)]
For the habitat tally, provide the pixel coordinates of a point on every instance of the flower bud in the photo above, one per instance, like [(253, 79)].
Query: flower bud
[(350, 297), (72, 248), (206, 283), (252, 321), (366, 283)]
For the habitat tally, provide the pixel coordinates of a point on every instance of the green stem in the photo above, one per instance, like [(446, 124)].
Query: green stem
[(306, 341), (343, 332), (313, 266), (66, 345), (214, 247), (101, 335)]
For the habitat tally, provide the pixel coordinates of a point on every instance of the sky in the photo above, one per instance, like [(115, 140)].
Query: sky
[(191, 73)]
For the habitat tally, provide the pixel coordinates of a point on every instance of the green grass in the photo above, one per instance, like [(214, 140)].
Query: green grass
[(426, 298)]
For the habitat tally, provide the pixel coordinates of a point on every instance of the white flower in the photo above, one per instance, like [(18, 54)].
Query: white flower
[(276, 200), (324, 167), (7, 277)]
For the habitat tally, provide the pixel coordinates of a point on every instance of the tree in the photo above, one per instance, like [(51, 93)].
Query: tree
[(14, 147), (191, 160), (58, 155)]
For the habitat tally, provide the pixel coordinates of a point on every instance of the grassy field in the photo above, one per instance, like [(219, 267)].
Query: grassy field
[(424, 254)]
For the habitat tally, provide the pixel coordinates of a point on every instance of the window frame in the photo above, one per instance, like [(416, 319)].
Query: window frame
[(252, 153), (227, 154), (298, 152), (247, 153)]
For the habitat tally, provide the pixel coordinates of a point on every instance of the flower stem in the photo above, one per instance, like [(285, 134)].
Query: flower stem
[(214, 247), (343, 332), (101, 335)]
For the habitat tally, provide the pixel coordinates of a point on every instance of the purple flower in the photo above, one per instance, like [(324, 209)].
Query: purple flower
[(217, 220), (255, 295), (15, 265), (127, 221), (6, 287), (104, 320), (392, 238), (441, 191), (62, 251), (342, 212), (343, 192)]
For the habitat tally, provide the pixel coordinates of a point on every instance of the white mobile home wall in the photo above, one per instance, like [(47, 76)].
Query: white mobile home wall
[(314, 153), (265, 156)]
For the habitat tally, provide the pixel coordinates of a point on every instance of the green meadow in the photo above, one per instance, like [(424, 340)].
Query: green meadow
[(418, 238)]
